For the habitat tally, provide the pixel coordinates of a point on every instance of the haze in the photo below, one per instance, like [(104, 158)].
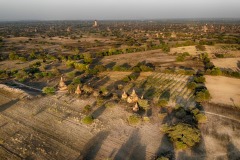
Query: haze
[(117, 9)]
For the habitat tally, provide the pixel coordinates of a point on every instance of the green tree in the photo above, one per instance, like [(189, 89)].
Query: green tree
[(48, 90), (203, 96), (87, 58), (182, 135)]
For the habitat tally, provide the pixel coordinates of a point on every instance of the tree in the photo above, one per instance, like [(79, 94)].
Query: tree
[(13, 56), (87, 58), (182, 135), (203, 96), (191, 85), (48, 90)]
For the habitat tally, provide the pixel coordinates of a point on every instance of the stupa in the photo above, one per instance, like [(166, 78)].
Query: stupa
[(133, 98), (136, 107), (62, 86), (124, 95), (95, 24), (78, 90)]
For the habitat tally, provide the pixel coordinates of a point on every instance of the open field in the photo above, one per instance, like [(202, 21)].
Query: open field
[(50, 128), (190, 49), (227, 63), (120, 90), (224, 90)]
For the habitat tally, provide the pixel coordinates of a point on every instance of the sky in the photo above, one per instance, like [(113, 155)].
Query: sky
[(117, 9)]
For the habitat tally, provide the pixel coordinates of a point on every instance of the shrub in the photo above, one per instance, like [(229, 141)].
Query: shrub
[(87, 109), (70, 63), (76, 81), (72, 88), (104, 90), (91, 71), (48, 90), (132, 77), (181, 57), (162, 103), (200, 117), (87, 58), (200, 47), (100, 68), (3, 74), (100, 101), (162, 158), (191, 85), (182, 135), (126, 79), (200, 79), (88, 119), (12, 56), (38, 75), (109, 105), (71, 74), (145, 68), (119, 68), (87, 89), (136, 69), (215, 71), (81, 67), (134, 119), (203, 96), (143, 103), (21, 75)]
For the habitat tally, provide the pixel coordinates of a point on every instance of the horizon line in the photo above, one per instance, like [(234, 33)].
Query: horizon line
[(130, 19)]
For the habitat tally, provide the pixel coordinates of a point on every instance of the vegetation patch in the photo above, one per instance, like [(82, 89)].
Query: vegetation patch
[(183, 135), (88, 120), (49, 90), (134, 119)]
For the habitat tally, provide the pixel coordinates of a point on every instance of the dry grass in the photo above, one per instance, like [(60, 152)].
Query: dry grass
[(228, 63), (224, 90)]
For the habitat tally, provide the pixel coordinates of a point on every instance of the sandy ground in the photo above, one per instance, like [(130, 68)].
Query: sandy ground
[(50, 127), (227, 63), (16, 64), (224, 90), (156, 57), (190, 49)]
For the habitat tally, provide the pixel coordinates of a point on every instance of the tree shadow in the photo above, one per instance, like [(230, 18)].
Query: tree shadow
[(126, 65), (101, 82), (110, 65), (175, 116), (98, 112), (233, 152), (149, 93), (7, 105), (132, 149), (166, 149), (166, 95), (92, 147)]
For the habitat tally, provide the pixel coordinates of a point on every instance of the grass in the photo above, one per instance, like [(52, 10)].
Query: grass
[(134, 119), (48, 90), (109, 105), (88, 120)]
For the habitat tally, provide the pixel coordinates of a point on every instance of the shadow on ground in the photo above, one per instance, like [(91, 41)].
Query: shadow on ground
[(7, 105), (132, 149), (92, 147)]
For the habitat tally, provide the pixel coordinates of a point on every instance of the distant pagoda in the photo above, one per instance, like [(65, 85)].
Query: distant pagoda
[(95, 23)]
